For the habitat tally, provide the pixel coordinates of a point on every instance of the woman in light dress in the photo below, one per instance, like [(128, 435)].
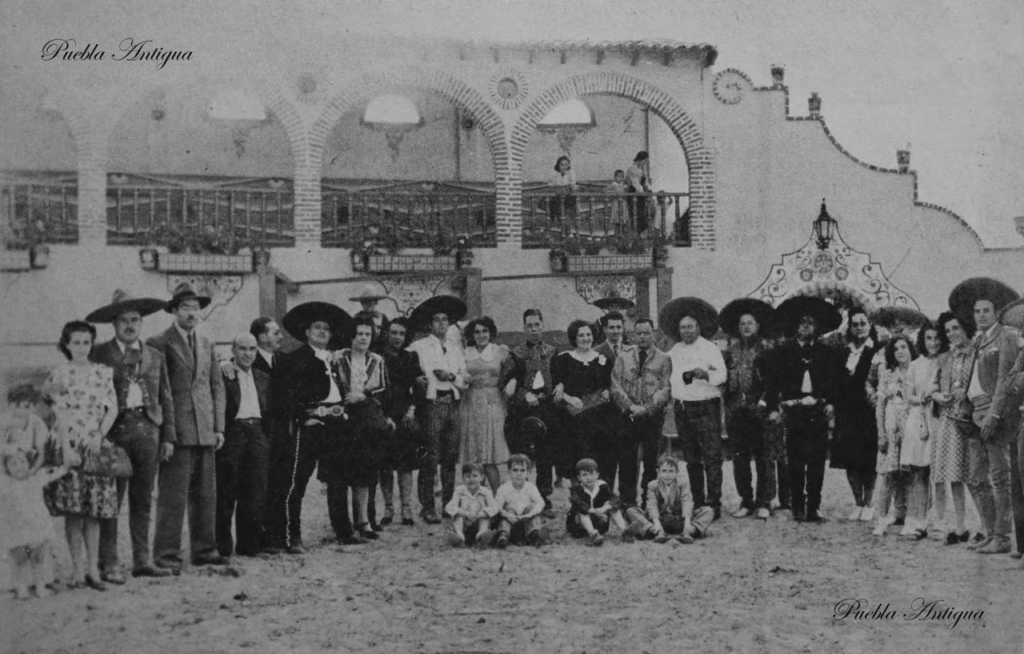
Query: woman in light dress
[(891, 410), (922, 426)]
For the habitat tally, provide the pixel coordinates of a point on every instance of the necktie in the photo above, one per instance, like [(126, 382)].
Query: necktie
[(615, 350), (643, 357), (273, 358), (192, 346)]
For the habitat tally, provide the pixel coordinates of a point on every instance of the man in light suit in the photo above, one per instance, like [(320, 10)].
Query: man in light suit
[(243, 462), (188, 469), (145, 419)]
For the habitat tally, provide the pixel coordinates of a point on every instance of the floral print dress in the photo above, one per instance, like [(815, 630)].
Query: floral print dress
[(893, 409), (81, 396)]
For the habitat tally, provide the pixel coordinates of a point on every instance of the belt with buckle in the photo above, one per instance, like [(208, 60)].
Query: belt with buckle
[(249, 421), (326, 411), (134, 411)]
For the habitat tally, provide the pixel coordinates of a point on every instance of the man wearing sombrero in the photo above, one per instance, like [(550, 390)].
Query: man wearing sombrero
[(996, 416), (799, 388), (145, 419), (444, 368), (741, 319), (698, 373), (308, 397), (188, 468)]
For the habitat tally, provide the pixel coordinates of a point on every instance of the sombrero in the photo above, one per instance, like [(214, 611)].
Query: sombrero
[(967, 292), (677, 309), (888, 317), (1013, 314), (368, 295), (449, 305), (184, 292), (121, 303), (298, 320), (792, 310), (729, 318), (614, 303)]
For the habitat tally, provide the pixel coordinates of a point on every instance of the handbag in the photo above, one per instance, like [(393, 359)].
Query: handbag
[(595, 399), (108, 460)]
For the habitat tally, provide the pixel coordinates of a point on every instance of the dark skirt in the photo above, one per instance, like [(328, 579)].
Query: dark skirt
[(352, 449), (856, 439)]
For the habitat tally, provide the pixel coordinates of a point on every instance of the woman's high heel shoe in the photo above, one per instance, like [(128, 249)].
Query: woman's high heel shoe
[(95, 584)]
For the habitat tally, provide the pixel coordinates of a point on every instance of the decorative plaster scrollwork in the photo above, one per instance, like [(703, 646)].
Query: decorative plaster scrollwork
[(221, 289), (408, 292), (593, 288)]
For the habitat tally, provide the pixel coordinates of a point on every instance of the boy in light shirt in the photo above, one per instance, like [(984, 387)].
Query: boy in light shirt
[(472, 508), (519, 505)]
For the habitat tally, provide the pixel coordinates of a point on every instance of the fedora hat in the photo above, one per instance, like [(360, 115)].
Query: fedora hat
[(792, 310), (184, 292), (729, 318), (696, 308), (298, 320), (367, 294), (449, 305), (969, 291), (122, 302)]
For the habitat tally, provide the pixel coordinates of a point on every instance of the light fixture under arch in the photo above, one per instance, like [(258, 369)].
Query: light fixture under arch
[(386, 111)]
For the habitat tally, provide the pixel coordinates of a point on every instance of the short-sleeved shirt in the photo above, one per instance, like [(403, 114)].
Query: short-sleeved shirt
[(518, 501)]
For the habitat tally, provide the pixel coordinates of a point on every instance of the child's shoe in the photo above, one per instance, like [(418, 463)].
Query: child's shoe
[(596, 539), (502, 541), (650, 534), (632, 532), (685, 539), (456, 540), (534, 538), (662, 539)]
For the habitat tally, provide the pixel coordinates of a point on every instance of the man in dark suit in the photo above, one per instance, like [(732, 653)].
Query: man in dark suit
[(243, 461), (188, 471), (268, 342), (145, 418), (614, 325)]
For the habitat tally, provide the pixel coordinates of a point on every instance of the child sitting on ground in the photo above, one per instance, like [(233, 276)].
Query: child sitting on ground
[(472, 508), (669, 507), (27, 526), (594, 506), (519, 505)]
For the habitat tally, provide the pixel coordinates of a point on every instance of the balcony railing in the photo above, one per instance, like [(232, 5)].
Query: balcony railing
[(597, 218), (413, 215), (179, 211), (38, 207)]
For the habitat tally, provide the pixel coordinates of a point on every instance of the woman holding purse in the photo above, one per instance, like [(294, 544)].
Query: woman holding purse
[(85, 403)]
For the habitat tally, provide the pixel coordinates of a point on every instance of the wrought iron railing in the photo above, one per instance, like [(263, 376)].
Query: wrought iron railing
[(200, 213), (411, 215), (599, 219), (38, 207)]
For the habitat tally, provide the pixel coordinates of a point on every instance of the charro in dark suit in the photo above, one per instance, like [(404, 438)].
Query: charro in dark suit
[(243, 461), (188, 472), (145, 418)]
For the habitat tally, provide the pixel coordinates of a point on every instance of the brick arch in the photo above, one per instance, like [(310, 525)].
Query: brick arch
[(450, 88), (699, 161)]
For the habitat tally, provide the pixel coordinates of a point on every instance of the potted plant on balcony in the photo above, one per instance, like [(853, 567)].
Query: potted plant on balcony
[(660, 250), (463, 253), (25, 248), (214, 250)]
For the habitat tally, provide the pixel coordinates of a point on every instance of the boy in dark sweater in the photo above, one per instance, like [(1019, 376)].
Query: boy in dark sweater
[(594, 506)]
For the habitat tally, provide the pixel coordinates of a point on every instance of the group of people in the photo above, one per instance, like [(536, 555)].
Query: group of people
[(361, 400)]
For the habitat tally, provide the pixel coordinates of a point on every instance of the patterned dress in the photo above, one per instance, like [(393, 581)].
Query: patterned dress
[(25, 520), (892, 398), (482, 410), (949, 455), (86, 395)]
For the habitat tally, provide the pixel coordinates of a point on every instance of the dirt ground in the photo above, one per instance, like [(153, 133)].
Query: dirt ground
[(751, 587)]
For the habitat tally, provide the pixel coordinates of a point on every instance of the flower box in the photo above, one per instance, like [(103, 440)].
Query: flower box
[(15, 260), (607, 263), (402, 263), (236, 264)]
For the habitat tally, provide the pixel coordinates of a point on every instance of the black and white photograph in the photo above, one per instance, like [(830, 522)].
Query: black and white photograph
[(492, 327)]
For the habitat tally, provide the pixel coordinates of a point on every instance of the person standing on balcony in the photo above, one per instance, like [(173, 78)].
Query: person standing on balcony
[(638, 184), (563, 183), (188, 468)]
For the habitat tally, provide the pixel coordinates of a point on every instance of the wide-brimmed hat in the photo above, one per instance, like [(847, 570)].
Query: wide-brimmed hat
[(449, 305), (698, 309), (888, 317), (792, 310), (729, 318), (1012, 315), (298, 320), (967, 292), (368, 294), (614, 303), (122, 302), (184, 292)]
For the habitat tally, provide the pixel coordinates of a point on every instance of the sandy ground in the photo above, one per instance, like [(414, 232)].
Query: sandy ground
[(751, 587)]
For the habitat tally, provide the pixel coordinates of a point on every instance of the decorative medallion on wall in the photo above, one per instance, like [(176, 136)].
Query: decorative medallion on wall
[(837, 272), (730, 85), (219, 288), (508, 88), (312, 86), (408, 292), (592, 288)]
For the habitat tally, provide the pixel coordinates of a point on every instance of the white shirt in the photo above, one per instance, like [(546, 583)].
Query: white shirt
[(325, 355), (248, 401), (855, 353), (133, 399), (435, 356), (518, 501), (702, 354)]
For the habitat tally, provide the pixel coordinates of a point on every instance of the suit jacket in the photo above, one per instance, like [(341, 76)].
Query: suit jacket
[(196, 387), (299, 380), (152, 373), (233, 396), (786, 365), (996, 355), (649, 387), (606, 349), (261, 364)]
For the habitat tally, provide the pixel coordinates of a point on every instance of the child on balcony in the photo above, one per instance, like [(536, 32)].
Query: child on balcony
[(618, 205)]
